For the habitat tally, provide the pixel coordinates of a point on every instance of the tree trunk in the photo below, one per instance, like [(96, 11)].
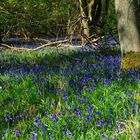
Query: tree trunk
[(90, 15), (85, 31), (0, 40), (128, 16), (105, 9)]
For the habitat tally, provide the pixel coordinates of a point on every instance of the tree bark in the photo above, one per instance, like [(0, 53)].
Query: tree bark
[(105, 9), (1, 40), (90, 14), (84, 20), (128, 16)]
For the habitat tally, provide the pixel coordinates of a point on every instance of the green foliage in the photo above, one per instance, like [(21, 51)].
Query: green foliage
[(40, 17), (34, 17), (110, 21)]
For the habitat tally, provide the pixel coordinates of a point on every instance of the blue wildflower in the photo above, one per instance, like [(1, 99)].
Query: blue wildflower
[(17, 132), (91, 116), (38, 121), (100, 123), (8, 117), (101, 134), (32, 128), (2, 134), (44, 129), (54, 118), (79, 127), (86, 122), (69, 132), (7, 100), (34, 135), (55, 127), (134, 103), (99, 113), (90, 109), (133, 111), (50, 135)]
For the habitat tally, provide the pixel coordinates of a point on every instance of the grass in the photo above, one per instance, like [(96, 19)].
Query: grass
[(45, 95)]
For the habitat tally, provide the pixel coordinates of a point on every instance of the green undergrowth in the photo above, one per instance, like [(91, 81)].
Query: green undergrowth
[(43, 98)]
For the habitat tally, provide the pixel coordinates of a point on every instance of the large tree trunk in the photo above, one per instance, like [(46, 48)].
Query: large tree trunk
[(128, 15)]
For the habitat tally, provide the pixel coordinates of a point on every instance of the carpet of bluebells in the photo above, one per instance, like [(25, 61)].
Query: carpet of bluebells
[(68, 95)]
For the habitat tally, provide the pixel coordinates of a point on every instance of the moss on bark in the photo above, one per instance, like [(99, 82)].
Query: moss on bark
[(131, 60)]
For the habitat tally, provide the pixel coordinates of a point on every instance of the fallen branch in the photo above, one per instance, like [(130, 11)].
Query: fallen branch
[(49, 44), (35, 49), (14, 48)]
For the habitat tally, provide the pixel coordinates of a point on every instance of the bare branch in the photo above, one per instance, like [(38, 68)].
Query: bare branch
[(35, 49)]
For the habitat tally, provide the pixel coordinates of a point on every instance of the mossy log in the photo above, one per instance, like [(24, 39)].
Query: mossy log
[(131, 60)]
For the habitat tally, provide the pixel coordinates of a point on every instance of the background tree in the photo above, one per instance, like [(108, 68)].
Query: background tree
[(105, 10), (53, 18), (98, 18), (90, 15), (0, 39), (35, 18)]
